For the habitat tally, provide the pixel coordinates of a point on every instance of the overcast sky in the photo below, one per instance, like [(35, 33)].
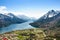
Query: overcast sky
[(31, 8)]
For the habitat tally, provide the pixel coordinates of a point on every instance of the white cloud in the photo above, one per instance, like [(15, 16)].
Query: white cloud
[(28, 12), (3, 9)]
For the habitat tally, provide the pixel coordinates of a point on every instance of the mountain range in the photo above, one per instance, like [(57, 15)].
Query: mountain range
[(50, 20)]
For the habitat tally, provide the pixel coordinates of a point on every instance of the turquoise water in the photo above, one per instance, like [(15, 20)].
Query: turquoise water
[(16, 27)]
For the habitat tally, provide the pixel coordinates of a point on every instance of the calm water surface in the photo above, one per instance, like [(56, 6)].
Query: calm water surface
[(16, 27)]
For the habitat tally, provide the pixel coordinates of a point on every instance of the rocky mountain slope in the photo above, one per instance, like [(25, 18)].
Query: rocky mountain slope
[(49, 20)]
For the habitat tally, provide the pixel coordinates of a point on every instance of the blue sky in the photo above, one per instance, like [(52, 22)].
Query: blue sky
[(31, 8)]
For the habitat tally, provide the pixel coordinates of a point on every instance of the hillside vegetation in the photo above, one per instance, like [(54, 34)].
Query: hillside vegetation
[(30, 34)]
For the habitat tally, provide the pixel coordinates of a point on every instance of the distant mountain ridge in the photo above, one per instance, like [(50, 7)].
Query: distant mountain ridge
[(26, 18), (50, 20)]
